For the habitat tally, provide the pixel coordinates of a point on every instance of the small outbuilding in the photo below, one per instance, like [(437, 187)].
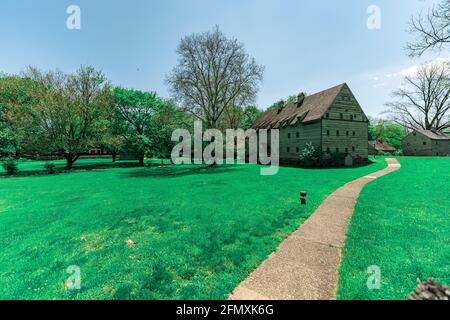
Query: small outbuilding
[(426, 143), (379, 147)]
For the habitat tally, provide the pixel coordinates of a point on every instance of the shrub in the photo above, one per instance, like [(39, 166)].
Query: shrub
[(50, 168), (310, 156), (332, 159), (10, 167)]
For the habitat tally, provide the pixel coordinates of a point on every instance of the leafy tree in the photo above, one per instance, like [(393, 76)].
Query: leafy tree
[(250, 114), (138, 112), (385, 130), (70, 112), (213, 74), (236, 117), (14, 95)]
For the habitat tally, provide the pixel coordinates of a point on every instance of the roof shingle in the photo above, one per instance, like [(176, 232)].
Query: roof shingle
[(313, 108)]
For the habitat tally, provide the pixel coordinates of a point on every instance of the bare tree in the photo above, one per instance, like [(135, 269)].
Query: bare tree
[(423, 102), (432, 30), (213, 74)]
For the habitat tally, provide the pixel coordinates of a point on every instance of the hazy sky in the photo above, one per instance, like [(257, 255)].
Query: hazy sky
[(305, 45)]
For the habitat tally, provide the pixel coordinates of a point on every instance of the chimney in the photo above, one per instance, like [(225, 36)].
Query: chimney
[(280, 106), (300, 99)]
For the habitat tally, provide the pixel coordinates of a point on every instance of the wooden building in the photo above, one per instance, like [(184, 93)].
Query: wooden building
[(426, 143), (332, 120), (380, 147)]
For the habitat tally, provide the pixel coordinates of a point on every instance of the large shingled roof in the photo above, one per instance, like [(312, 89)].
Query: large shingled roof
[(313, 108), (434, 135), (381, 146)]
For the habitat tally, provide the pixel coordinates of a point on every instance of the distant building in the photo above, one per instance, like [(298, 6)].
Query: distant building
[(332, 120), (377, 147), (426, 143)]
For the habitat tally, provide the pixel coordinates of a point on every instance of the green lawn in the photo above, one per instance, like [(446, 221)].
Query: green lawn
[(401, 224), (198, 231)]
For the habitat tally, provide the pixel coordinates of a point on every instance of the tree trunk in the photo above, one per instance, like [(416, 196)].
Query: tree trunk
[(70, 160), (114, 155), (141, 159)]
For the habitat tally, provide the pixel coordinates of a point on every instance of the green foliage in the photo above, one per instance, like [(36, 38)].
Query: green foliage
[(401, 225), (310, 156), (181, 252), (146, 121), (10, 166), (50, 168), (385, 130), (15, 98)]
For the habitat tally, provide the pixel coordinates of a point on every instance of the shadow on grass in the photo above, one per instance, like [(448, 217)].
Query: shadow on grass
[(178, 171), (324, 167), (76, 168)]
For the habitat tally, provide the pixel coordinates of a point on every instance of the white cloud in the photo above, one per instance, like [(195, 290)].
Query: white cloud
[(411, 71), (378, 85)]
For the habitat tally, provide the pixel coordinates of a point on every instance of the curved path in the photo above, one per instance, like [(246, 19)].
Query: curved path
[(306, 264)]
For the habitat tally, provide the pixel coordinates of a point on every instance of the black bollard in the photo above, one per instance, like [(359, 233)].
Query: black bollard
[(303, 195)]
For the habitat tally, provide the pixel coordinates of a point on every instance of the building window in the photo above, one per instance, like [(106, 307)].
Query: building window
[(424, 143), (351, 117), (337, 133), (297, 149), (289, 135), (288, 149), (337, 150), (354, 133), (328, 132), (346, 150), (297, 134), (353, 149), (348, 133), (328, 115), (341, 115), (328, 150)]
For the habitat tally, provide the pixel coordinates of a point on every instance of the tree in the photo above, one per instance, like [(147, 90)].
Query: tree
[(213, 74), (236, 117), (70, 112), (385, 130), (423, 102), (432, 30), (138, 110), (14, 93)]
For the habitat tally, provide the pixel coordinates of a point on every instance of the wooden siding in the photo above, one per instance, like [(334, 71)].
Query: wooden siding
[(417, 144), (346, 116), (352, 138), (307, 133)]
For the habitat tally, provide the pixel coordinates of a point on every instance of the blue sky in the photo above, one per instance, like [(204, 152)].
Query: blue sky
[(305, 45)]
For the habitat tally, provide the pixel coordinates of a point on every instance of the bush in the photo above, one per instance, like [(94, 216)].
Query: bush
[(10, 167), (50, 168), (310, 156), (332, 159)]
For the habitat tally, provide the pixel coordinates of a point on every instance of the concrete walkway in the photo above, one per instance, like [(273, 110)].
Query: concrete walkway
[(305, 265)]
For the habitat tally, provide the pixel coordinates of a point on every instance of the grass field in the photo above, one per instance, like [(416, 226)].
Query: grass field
[(402, 225), (197, 231)]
